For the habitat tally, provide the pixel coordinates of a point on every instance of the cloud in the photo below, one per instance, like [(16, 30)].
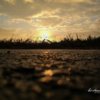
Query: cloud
[(20, 10), (96, 25), (6, 33), (27, 9), (55, 15), (68, 1), (28, 1), (10, 1), (48, 22)]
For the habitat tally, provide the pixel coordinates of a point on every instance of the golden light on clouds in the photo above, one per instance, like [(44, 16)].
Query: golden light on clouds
[(29, 1), (56, 17), (10, 1)]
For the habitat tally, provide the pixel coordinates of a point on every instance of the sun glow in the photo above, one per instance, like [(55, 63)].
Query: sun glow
[(45, 35)]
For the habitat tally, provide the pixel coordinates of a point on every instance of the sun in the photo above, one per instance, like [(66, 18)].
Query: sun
[(45, 36)]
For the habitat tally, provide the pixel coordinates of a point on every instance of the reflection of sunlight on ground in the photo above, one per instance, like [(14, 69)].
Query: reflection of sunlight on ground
[(49, 74), (56, 71), (46, 79), (47, 52)]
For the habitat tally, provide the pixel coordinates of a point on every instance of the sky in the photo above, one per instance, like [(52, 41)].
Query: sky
[(53, 19)]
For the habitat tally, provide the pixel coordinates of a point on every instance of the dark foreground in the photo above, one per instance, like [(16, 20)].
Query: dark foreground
[(49, 74), (66, 43)]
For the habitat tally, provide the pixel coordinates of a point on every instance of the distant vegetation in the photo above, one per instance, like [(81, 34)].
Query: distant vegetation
[(66, 43)]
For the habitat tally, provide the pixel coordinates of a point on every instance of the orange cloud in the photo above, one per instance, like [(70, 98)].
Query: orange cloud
[(6, 33)]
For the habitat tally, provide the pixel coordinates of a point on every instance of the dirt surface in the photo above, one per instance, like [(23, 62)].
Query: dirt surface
[(49, 74)]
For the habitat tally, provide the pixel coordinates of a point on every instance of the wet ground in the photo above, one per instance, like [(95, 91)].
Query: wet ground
[(49, 74)]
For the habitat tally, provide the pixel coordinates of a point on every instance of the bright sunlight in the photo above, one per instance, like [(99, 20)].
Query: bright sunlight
[(45, 35)]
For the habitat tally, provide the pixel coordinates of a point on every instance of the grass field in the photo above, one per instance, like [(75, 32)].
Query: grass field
[(66, 43)]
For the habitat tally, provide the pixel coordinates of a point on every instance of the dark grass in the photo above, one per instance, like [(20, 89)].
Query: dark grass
[(66, 43)]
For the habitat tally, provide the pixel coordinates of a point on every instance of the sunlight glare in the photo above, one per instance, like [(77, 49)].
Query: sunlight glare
[(45, 35)]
